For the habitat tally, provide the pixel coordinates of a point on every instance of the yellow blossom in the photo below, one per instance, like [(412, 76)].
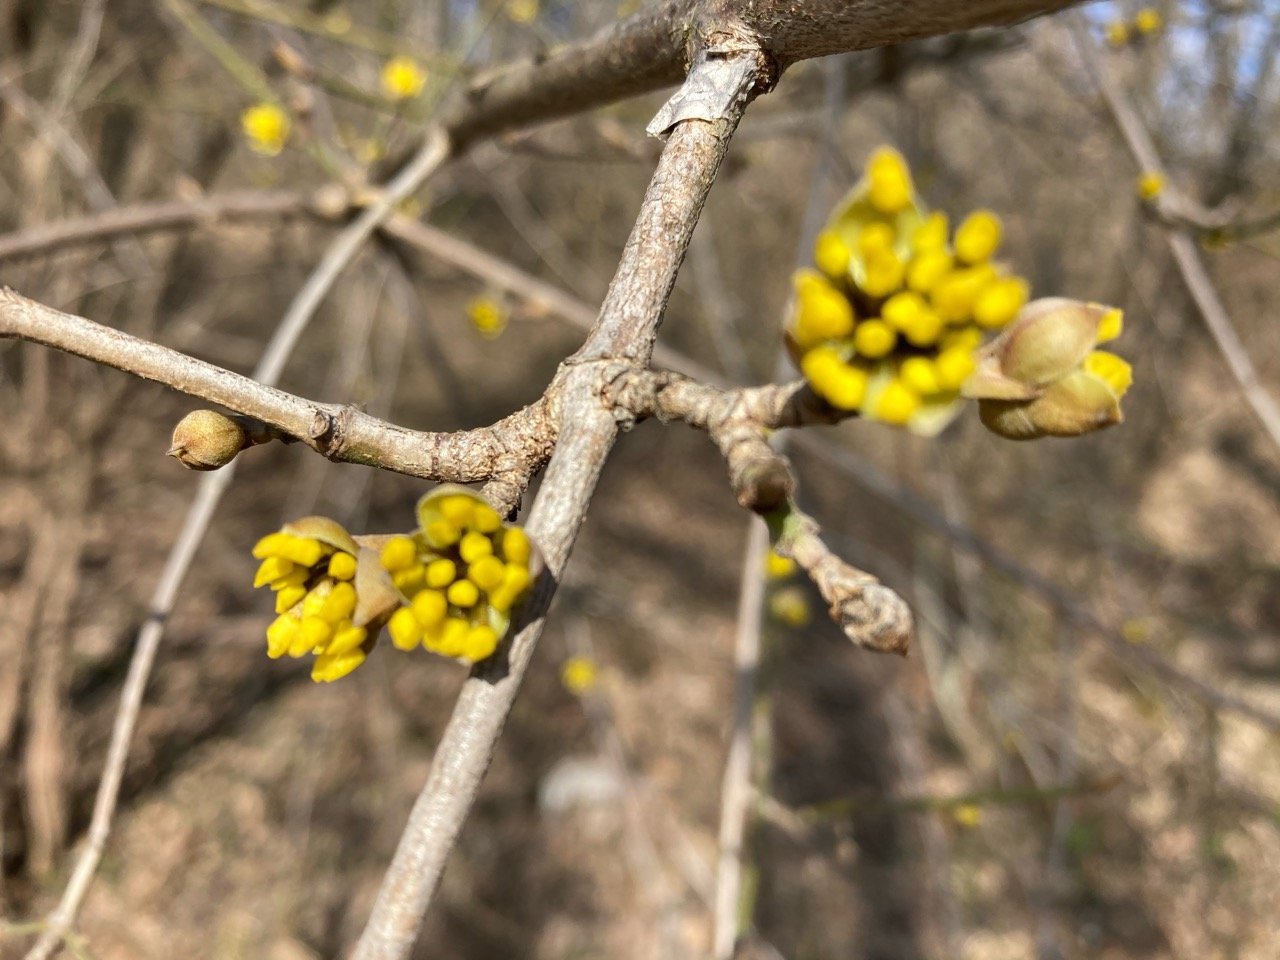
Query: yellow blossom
[(313, 565), (266, 127), (402, 78), (1150, 185), (778, 567), (889, 181), (1117, 33), (790, 605), (1147, 21), (488, 316), (967, 815), (579, 675)]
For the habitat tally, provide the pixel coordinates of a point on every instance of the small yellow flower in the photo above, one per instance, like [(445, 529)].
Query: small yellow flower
[(874, 339), (402, 78), (579, 675), (841, 384), (266, 127), (831, 254), (978, 236), (522, 11), (967, 815), (889, 179), (778, 567), (1148, 21), (1117, 33), (897, 402), (488, 316), (790, 605), (1150, 185)]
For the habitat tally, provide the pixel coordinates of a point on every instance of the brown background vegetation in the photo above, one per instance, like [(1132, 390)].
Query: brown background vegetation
[(1111, 815)]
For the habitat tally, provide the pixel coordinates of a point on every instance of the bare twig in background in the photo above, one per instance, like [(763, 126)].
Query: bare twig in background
[(294, 323), (1181, 243), (96, 192), (736, 792)]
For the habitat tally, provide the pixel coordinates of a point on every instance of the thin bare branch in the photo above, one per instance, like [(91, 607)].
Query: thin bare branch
[(1181, 243), (340, 432), (629, 319), (340, 253)]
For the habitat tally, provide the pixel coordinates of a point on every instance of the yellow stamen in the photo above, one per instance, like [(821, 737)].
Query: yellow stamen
[(441, 573)]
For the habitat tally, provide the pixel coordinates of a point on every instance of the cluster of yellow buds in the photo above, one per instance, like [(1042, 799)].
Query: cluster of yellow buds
[(461, 572), (1145, 22), (788, 602), (450, 585), (888, 323), (325, 601)]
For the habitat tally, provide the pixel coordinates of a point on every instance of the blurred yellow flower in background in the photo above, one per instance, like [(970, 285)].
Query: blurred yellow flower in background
[(488, 316), (266, 127), (402, 78), (579, 675)]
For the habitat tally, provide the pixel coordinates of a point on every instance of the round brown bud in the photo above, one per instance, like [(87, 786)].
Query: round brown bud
[(207, 440)]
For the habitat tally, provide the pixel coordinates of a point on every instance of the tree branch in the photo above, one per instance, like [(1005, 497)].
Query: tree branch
[(339, 432), (629, 319), (1181, 245)]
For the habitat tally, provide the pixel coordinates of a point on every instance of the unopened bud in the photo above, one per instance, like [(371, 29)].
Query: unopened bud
[(207, 440), (1077, 404)]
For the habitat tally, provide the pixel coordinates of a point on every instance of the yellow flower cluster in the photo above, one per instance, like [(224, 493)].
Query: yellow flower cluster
[(488, 316), (1150, 185), (788, 602), (449, 586), (311, 565), (402, 78), (579, 675), (888, 323), (1146, 22), (266, 127), (461, 573)]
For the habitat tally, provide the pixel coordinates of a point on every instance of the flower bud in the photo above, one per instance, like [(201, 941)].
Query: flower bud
[(1050, 338), (1079, 403), (1042, 377), (207, 440)]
